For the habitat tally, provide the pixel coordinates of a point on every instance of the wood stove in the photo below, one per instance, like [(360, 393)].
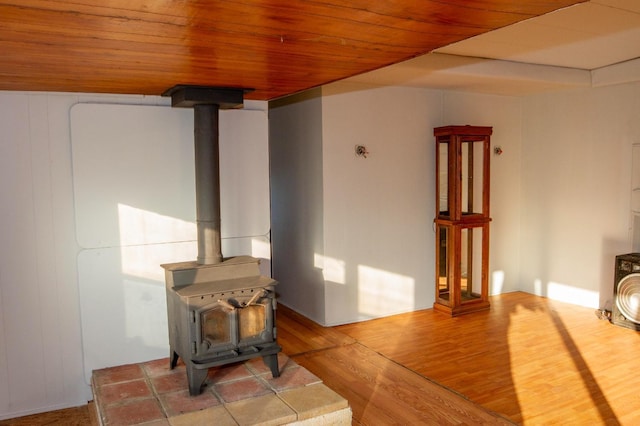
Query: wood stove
[(219, 310), (219, 314)]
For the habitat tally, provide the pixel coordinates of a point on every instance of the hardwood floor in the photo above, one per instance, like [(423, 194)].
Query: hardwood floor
[(78, 416), (528, 359), (536, 361), (379, 390)]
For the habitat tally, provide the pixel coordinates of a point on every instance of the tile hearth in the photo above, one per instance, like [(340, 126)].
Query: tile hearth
[(149, 393)]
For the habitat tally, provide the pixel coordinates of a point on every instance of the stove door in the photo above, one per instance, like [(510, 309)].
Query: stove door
[(255, 323), (215, 330)]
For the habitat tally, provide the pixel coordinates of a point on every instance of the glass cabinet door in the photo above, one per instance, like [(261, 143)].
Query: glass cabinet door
[(472, 176), (443, 284), (442, 166), (471, 264)]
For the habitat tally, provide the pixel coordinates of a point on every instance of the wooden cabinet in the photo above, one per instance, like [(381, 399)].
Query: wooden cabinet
[(462, 219)]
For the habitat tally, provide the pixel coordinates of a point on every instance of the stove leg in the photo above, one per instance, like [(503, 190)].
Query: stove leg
[(196, 379), (173, 359), (272, 362)]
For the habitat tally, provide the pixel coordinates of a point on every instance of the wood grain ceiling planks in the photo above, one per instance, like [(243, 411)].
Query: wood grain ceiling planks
[(276, 47)]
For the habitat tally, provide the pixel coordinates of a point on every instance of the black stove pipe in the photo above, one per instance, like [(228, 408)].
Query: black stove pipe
[(207, 170), (206, 103)]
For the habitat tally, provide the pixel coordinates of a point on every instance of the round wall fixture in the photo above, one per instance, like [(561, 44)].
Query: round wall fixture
[(361, 151)]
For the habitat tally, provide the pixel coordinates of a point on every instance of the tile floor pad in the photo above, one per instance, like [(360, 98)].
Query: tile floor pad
[(235, 394)]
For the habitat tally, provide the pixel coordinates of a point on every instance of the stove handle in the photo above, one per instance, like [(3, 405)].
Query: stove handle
[(256, 297), (232, 304), (226, 304)]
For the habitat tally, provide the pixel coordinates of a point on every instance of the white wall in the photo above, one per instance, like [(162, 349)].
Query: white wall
[(40, 343), (378, 211), (134, 193), (576, 186), (377, 242), (295, 149), (43, 310)]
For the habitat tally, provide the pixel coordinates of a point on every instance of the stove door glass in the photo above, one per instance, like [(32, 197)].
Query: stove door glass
[(216, 326)]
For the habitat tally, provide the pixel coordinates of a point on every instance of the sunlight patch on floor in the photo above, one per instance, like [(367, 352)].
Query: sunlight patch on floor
[(538, 367)]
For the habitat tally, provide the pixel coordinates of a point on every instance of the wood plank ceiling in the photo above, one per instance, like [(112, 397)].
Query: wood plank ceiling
[(275, 47)]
